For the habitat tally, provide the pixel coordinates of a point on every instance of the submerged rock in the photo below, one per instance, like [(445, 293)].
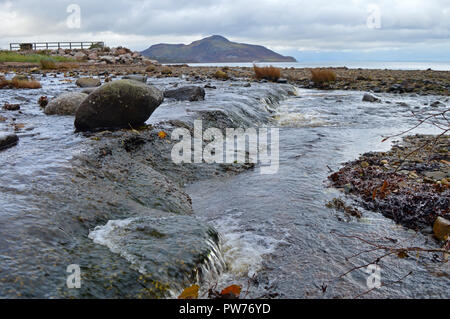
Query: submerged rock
[(8, 140), (11, 107), (139, 78), (370, 98), (65, 104), (441, 228), (186, 93), (88, 82), (437, 104), (118, 104)]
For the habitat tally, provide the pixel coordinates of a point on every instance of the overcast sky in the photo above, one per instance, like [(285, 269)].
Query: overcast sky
[(308, 30)]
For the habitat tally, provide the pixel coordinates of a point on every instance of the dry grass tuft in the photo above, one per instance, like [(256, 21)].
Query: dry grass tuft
[(48, 64), (221, 75), (166, 70), (321, 76), (269, 73), (19, 83), (150, 68)]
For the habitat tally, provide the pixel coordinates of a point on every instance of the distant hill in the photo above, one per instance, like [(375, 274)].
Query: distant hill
[(213, 49)]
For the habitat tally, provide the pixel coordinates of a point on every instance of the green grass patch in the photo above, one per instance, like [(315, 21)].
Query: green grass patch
[(11, 56)]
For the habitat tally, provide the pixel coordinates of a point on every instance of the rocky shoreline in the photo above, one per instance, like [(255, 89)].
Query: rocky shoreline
[(412, 189), (428, 82)]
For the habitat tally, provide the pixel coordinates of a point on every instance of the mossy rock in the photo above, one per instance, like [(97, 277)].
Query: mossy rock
[(118, 104)]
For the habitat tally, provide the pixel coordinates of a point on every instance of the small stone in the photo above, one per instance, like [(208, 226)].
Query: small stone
[(384, 162), (441, 228)]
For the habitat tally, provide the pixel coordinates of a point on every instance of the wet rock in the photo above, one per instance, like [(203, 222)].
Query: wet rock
[(187, 93), (139, 78), (65, 104), (88, 82), (370, 98), (209, 86), (282, 81), (11, 107), (396, 88), (441, 228), (437, 104), (122, 103), (88, 90), (43, 101), (8, 140)]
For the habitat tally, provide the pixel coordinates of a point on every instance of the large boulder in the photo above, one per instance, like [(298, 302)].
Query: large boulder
[(88, 82), (8, 140), (65, 104), (118, 104), (186, 93)]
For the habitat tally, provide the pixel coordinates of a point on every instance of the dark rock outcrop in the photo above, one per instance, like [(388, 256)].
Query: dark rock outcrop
[(186, 93)]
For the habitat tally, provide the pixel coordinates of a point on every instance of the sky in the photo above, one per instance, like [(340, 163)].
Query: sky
[(319, 30)]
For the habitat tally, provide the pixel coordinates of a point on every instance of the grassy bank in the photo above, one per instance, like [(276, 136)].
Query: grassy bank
[(11, 56)]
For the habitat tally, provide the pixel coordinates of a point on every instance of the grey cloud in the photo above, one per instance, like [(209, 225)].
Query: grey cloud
[(287, 24)]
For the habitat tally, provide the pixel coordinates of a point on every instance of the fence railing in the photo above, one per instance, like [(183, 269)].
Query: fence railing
[(55, 45)]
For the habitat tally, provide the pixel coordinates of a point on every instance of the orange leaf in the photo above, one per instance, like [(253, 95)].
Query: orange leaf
[(374, 194), (233, 289), (162, 134), (383, 188), (190, 293)]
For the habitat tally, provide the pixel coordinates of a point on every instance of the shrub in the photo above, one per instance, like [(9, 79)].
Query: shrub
[(48, 64), (269, 73), (321, 76), (220, 75), (166, 70), (150, 68), (96, 46)]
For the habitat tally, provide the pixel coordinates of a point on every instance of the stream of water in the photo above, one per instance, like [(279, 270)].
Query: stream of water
[(277, 236)]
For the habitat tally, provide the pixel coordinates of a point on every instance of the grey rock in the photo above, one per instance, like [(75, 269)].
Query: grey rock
[(186, 93), (65, 104), (8, 140), (88, 82), (370, 98), (437, 175), (88, 90), (118, 104), (108, 59), (139, 78)]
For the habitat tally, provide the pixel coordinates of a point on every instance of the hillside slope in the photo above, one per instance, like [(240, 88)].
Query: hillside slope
[(213, 49)]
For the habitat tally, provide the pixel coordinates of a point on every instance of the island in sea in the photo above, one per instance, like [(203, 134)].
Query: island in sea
[(213, 49)]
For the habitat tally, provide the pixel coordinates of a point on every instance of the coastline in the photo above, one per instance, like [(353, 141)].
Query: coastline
[(421, 82)]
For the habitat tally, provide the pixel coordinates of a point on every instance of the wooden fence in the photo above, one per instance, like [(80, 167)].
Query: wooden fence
[(54, 45)]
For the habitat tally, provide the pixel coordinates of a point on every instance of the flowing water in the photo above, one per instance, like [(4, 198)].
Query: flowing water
[(276, 235)]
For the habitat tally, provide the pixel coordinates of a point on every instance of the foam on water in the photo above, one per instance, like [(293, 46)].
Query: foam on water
[(243, 247)]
